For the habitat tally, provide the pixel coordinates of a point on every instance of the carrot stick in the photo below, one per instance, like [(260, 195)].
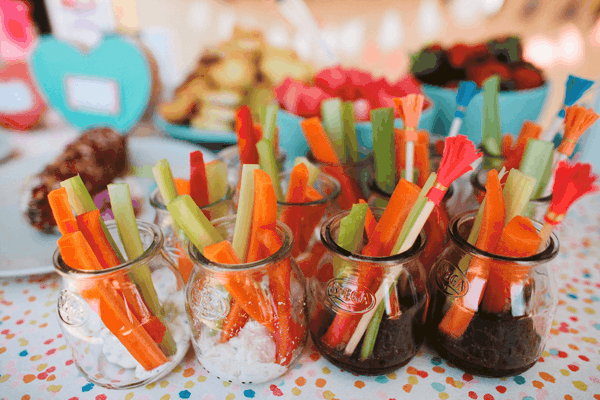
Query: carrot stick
[(89, 224), (70, 226), (308, 262), (182, 186), (370, 221), (463, 309), (264, 212), (61, 209), (351, 191), (507, 141), (234, 321), (78, 254), (241, 286), (279, 285), (421, 160), (198, 181), (529, 130), (293, 216), (519, 239), (319, 143)]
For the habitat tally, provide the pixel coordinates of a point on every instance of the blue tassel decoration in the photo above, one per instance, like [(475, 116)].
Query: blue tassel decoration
[(576, 87), (466, 91)]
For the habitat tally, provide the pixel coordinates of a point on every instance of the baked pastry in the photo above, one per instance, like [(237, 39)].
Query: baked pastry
[(99, 156)]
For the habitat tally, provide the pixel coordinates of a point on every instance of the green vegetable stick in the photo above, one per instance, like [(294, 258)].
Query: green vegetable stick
[(243, 221), (216, 175), (382, 123), (372, 331), (350, 234), (262, 114), (122, 208), (268, 163), (373, 327), (536, 162), (472, 240), (313, 170), (331, 114), (81, 201), (350, 140), (164, 180), (517, 193), (270, 121), (491, 126), (193, 222)]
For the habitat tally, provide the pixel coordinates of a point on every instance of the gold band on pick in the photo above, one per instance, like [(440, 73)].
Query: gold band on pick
[(554, 217), (441, 187)]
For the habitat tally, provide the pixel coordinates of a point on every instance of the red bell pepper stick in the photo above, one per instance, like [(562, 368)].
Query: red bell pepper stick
[(198, 180)]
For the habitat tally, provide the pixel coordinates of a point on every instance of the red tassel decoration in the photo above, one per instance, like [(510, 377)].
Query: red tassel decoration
[(577, 121), (459, 154)]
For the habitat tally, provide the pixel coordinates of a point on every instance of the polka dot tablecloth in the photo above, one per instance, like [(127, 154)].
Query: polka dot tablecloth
[(35, 362)]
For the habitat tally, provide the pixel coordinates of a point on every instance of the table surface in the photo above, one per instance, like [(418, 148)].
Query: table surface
[(36, 364)]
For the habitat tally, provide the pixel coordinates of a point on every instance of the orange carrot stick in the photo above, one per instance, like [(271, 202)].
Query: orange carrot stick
[(463, 309), (370, 221), (529, 130), (61, 210), (77, 253), (519, 239), (69, 225), (507, 141), (293, 216), (421, 157), (89, 224), (182, 186), (235, 320), (319, 143), (264, 212), (241, 286)]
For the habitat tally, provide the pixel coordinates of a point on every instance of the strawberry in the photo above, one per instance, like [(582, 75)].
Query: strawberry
[(526, 76), (479, 72), (460, 54)]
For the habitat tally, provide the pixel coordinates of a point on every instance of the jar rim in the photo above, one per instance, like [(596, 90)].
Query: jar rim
[(401, 258), (337, 190), (363, 162), (157, 202), (283, 252), (374, 187), (549, 253), (476, 183), (65, 270)]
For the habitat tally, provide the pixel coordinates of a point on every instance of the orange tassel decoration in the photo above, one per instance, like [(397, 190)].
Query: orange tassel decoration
[(577, 121)]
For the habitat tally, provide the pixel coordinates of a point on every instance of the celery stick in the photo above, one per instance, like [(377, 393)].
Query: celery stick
[(270, 121), (262, 114), (164, 180), (331, 114), (517, 193), (491, 127), (313, 170), (414, 212), (81, 201), (243, 221), (122, 207), (476, 225), (350, 234), (268, 163), (216, 175), (372, 331), (193, 222), (536, 162), (382, 123), (350, 141)]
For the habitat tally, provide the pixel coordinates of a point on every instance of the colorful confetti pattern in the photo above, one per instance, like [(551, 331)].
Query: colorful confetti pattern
[(36, 364)]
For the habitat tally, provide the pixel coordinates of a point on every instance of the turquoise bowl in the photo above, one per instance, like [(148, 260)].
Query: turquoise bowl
[(291, 138), (515, 108)]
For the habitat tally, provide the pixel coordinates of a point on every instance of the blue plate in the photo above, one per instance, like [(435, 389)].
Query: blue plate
[(191, 134)]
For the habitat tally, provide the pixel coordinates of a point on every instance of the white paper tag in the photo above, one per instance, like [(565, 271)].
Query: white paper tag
[(15, 97), (472, 297), (93, 94), (517, 300)]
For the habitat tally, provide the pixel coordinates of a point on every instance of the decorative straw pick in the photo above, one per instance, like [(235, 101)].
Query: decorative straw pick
[(577, 120), (576, 87), (459, 154), (409, 108), (466, 91), (572, 182)]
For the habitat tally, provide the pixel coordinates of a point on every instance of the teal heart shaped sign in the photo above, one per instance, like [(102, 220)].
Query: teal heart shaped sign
[(108, 86)]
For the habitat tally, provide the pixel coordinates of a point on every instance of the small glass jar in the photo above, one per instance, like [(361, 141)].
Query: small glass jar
[(344, 289), (353, 177), (536, 209), (228, 342), (175, 239), (500, 340), (114, 326), (304, 219)]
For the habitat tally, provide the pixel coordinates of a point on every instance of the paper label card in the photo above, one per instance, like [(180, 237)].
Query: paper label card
[(93, 94), (15, 97)]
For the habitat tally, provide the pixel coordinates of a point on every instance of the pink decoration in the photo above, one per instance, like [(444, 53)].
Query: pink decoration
[(17, 34), (17, 74)]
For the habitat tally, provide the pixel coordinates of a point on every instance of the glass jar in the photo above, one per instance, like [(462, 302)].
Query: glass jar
[(346, 287), (114, 326), (536, 209), (228, 342), (175, 240), (460, 326), (353, 178), (304, 219)]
